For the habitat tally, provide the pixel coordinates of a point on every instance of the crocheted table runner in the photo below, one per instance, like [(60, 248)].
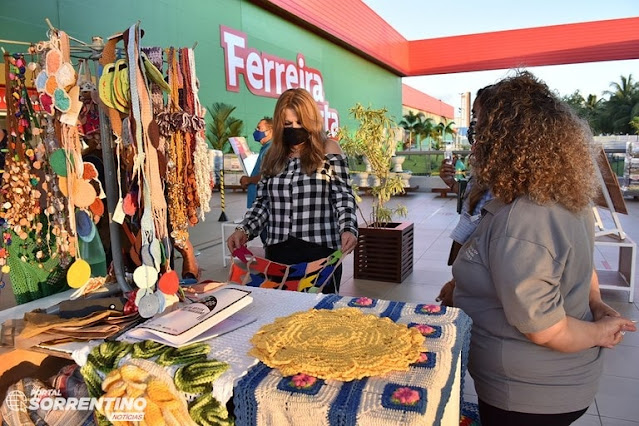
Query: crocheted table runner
[(415, 397)]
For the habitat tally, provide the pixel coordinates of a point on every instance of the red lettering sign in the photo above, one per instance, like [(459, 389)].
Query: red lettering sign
[(269, 76)]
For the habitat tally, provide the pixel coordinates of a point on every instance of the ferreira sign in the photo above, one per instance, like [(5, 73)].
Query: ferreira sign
[(269, 76)]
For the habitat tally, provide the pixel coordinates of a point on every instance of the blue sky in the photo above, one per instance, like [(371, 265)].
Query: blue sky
[(419, 19)]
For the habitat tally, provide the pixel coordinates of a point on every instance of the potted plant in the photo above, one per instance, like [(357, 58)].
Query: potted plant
[(221, 127), (384, 250)]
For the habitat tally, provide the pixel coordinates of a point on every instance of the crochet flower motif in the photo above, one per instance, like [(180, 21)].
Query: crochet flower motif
[(362, 302), (432, 331), (301, 383), (430, 309), (426, 360), (405, 398), (303, 380)]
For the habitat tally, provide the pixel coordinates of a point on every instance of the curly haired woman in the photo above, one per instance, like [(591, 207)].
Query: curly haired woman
[(524, 276)]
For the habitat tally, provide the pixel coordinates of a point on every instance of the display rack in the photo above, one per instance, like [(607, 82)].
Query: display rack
[(622, 278), (613, 236)]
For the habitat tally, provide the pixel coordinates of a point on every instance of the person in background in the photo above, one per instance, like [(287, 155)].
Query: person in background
[(525, 275), (474, 198), (304, 198), (263, 134)]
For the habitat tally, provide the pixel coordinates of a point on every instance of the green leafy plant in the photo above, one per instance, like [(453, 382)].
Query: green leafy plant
[(223, 126), (374, 138)]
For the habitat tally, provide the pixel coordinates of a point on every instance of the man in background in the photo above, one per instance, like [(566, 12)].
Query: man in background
[(263, 134)]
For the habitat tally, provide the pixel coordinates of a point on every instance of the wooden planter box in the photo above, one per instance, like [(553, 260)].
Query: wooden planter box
[(384, 254)]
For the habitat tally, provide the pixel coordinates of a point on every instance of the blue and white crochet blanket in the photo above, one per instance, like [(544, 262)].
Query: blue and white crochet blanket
[(265, 397)]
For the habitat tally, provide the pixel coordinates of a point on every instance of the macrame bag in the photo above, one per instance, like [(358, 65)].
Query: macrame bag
[(254, 271)]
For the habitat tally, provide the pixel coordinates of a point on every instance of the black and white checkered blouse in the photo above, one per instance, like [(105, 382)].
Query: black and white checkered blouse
[(315, 208)]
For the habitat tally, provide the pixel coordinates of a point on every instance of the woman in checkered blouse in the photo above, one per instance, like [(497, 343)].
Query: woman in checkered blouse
[(305, 198)]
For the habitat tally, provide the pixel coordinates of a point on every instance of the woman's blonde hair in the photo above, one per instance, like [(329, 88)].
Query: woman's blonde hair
[(529, 142), (313, 151)]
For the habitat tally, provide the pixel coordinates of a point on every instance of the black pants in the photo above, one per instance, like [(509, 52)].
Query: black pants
[(295, 250), (493, 416)]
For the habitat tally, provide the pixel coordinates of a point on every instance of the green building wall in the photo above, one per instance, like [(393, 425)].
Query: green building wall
[(347, 78)]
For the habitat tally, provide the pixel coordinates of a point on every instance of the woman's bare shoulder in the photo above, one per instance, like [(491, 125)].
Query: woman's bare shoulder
[(332, 147)]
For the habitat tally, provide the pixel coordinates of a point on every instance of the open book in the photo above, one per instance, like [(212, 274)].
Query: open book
[(202, 320), (243, 152)]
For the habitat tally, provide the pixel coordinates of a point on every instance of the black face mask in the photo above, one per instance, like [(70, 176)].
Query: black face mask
[(294, 136), (471, 131)]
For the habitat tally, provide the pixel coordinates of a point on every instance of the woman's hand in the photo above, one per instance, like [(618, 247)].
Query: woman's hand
[(446, 293), (447, 174), (612, 330), (349, 241), (600, 310), (236, 240)]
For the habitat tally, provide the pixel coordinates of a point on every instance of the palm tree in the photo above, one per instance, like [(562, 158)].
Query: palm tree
[(425, 128), (621, 107), (444, 128), (592, 108), (222, 126), (410, 123)]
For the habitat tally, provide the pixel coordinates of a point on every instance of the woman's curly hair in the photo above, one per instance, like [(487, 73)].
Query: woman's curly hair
[(529, 142)]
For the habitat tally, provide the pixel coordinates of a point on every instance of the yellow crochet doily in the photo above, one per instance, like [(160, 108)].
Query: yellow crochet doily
[(342, 344)]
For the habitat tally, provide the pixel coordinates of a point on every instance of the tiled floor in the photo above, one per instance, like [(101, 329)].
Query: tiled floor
[(617, 402)]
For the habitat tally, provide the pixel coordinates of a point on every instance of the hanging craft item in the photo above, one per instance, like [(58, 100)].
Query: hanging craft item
[(25, 252), (69, 188), (182, 125)]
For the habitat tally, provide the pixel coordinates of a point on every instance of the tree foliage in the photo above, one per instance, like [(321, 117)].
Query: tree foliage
[(374, 138), (614, 112), (222, 126)]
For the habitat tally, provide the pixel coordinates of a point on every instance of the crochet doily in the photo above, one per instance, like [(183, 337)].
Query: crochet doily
[(342, 344)]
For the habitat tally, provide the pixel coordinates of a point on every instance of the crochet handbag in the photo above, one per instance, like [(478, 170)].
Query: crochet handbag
[(254, 271)]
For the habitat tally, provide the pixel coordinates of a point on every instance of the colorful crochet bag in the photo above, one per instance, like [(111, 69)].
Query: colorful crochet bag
[(254, 271)]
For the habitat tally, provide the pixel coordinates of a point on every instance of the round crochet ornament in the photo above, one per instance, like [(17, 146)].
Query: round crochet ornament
[(61, 100), (169, 282), (78, 273), (58, 161), (63, 185), (84, 226), (342, 344), (145, 276), (41, 81), (97, 208), (53, 60), (66, 75), (129, 204), (83, 193), (51, 85), (46, 102), (89, 172)]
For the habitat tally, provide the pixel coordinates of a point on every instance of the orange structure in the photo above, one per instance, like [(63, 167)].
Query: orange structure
[(374, 39)]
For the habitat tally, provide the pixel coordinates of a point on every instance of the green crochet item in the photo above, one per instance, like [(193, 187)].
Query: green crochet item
[(148, 349), (198, 377), (107, 356), (183, 355), (32, 278), (194, 375), (207, 411)]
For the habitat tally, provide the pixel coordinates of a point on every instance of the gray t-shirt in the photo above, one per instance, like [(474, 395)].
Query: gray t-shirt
[(525, 268)]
